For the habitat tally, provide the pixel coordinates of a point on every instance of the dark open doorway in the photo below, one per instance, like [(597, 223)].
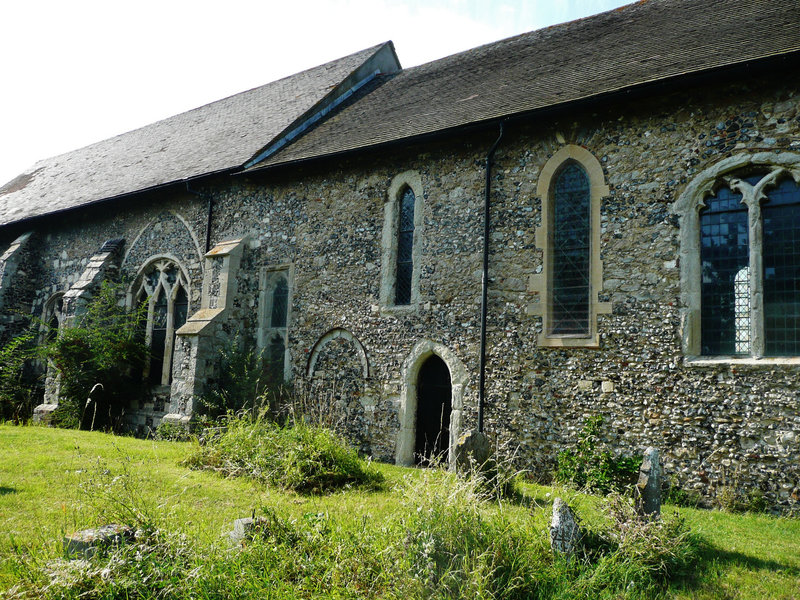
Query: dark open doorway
[(433, 412)]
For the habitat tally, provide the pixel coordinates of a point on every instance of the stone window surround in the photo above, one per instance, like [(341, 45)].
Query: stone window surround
[(50, 310), (540, 282), (459, 378), (412, 180), (267, 279), (138, 287), (687, 207)]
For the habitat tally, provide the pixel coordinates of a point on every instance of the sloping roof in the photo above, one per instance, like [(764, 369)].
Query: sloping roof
[(639, 43), (215, 137)]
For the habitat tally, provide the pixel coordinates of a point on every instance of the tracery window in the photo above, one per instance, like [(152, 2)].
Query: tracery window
[(164, 288), (750, 256), (740, 244)]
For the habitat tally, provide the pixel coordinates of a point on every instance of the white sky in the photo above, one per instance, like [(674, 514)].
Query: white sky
[(73, 72)]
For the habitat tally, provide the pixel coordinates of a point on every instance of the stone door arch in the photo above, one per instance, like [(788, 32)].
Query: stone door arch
[(409, 398)]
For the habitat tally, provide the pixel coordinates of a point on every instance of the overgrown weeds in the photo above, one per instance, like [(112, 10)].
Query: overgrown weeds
[(591, 467), (299, 457)]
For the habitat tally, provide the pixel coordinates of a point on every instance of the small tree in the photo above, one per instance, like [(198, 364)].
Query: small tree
[(105, 345)]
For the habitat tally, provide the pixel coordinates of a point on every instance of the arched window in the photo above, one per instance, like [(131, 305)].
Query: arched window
[(401, 246), (571, 185), (164, 288), (52, 316), (405, 246), (740, 266)]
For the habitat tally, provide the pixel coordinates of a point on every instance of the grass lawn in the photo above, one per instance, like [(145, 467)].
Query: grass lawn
[(54, 482)]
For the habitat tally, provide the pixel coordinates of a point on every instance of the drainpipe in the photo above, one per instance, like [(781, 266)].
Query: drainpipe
[(485, 279), (210, 208)]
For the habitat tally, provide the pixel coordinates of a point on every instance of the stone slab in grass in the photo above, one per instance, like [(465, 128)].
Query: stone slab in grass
[(84, 544)]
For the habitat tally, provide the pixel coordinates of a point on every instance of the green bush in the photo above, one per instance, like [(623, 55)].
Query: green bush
[(594, 469), (105, 346), (17, 380), (299, 457)]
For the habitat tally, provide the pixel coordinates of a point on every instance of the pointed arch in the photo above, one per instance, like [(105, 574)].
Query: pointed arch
[(401, 245), (163, 284), (571, 186), (331, 335), (410, 371), (752, 179)]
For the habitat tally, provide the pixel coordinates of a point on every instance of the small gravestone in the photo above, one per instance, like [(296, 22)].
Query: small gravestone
[(245, 529), (84, 544), (649, 485), (472, 452), (565, 533)]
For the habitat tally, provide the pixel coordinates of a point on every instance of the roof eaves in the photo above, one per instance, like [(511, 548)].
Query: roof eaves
[(602, 97)]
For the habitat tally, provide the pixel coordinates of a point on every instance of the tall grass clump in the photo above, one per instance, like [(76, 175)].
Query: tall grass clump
[(461, 543), (298, 457)]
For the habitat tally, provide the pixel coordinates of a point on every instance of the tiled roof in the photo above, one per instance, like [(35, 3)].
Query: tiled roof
[(214, 137), (639, 43)]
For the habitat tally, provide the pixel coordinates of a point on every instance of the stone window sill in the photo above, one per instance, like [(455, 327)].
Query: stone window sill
[(771, 361), (401, 309)]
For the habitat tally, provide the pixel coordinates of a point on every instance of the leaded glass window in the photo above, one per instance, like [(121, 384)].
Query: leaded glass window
[(571, 230), (405, 245), (781, 259), (280, 298), (724, 259)]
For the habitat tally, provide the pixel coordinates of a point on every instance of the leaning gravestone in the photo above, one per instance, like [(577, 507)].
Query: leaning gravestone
[(84, 544), (649, 485), (471, 452), (565, 533)]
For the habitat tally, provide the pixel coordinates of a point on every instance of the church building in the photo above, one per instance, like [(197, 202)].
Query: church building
[(597, 218)]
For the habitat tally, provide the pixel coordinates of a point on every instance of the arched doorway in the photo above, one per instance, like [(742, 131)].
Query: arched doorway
[(434, 404)]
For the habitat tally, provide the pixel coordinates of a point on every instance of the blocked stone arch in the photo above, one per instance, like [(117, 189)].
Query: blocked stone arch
[(337, 372), (331, 335), (459, 378), (169, 236), (130, 251)]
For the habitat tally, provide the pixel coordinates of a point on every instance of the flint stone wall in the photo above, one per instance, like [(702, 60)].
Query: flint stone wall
[(717, 424)]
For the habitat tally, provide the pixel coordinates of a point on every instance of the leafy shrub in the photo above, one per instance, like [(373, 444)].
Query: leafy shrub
[(17, 380), (594, 469), (104, 346), (300, 457)]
